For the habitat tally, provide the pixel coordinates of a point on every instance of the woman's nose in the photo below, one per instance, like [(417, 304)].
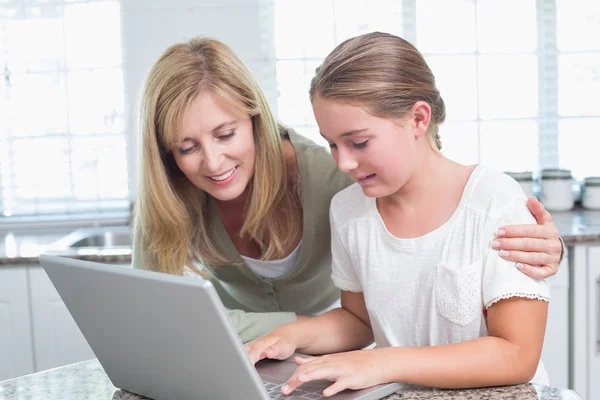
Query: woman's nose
[(212, 159)]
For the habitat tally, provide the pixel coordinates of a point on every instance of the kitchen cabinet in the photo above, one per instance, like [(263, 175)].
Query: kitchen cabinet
[(585, 321), (555, 353), (56, 337), (594, 322), (16, 355)]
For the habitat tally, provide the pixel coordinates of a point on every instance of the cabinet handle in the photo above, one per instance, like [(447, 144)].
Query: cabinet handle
[(598, 316)]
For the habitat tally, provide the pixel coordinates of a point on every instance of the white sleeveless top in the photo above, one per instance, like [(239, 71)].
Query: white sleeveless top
[(274, 269)]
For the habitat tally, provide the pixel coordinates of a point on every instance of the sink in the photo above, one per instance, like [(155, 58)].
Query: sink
[(102, 240)]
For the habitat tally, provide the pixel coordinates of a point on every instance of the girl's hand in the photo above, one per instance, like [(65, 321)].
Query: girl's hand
[(352, 370), (537, 248), (277, 345)]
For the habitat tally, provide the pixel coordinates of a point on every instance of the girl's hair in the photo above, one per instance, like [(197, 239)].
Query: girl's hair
[(171, 213), (382, 73)]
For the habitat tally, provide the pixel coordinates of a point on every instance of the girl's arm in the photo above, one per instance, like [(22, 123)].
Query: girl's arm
[(338, 330), (509, 355)]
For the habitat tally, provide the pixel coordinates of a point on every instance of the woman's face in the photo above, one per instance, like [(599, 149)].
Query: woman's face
[(217, 149), (378, 153)]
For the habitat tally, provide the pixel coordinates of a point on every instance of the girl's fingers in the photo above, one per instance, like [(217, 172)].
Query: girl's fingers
[(303, 360), (335, 388), (303, 375)]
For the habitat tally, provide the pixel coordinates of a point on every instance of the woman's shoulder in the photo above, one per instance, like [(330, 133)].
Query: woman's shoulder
[(316, 166)]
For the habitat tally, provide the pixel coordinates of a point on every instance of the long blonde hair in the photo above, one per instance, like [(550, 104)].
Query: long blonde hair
[(383, 73), (171, 213)]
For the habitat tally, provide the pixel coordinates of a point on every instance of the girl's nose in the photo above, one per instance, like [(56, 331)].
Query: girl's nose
[(345, 161)]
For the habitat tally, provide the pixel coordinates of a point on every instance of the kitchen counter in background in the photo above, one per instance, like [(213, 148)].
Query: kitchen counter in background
[(577, 226), (87, 380)]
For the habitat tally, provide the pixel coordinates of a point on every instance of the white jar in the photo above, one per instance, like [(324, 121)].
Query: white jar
[(557, 189), (525, 180), (590, 197)]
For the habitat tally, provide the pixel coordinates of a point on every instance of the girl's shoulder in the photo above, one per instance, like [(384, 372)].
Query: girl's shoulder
[(493, 191), (497, 184), (351, 203)]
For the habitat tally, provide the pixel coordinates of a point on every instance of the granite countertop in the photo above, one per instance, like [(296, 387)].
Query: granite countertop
[(576, 227), (87, 380)]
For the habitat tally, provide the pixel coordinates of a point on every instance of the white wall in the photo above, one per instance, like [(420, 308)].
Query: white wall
[(150, 26)]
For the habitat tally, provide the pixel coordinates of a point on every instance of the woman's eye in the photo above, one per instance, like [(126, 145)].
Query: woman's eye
[(185, 151), (360, 145), (226, 136)]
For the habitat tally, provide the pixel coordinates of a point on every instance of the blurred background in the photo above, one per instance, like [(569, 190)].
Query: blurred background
[(520, 79)]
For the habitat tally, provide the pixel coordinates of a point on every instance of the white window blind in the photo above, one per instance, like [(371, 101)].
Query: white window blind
[(62, 139), (520, 78)]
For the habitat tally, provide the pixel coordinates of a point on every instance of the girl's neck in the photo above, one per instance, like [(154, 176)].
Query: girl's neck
[(427, 200), (435, 174)]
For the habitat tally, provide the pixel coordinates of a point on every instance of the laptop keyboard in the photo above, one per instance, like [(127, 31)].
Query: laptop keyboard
[(303, 392)]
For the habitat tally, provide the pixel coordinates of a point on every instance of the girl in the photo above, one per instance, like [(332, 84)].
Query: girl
[(223, 187), (411, 242)]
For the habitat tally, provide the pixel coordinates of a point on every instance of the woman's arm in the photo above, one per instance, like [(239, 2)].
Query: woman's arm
[(537, 247), (248, 325)]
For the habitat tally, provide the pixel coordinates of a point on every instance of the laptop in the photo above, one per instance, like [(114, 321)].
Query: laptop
[(169, 337)]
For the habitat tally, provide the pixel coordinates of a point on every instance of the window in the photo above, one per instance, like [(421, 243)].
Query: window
[(62, 139), (520, 78)]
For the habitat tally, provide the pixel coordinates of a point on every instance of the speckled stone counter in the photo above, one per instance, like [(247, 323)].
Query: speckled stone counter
[(578, 226), (87, 380)]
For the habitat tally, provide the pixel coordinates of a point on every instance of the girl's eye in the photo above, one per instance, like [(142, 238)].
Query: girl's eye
[(360, 145), (332, 146), (226, 136)]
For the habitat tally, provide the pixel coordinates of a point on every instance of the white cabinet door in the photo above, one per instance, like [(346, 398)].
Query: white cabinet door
[(555, 353), (594, 322), (57, 339), (16, 355)]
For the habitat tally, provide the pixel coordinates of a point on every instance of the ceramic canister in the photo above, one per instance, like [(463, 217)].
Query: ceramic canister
[(557, 189), (591, 193)]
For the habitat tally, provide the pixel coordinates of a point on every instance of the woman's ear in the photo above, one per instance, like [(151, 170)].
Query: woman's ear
[(421, 112)]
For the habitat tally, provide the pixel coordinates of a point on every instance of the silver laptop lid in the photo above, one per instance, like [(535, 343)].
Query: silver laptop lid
[(158, 335)]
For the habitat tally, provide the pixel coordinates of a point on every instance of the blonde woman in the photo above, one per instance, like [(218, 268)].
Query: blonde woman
[(227, 192)]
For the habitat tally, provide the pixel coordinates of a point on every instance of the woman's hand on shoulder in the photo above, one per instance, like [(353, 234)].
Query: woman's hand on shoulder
[(278, 344), (537, 249)]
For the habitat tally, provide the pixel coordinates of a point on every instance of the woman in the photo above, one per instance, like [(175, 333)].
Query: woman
[(227, 192)]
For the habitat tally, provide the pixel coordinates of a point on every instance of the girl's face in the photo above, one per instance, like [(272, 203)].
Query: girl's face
[(217, 150), (379, 153)]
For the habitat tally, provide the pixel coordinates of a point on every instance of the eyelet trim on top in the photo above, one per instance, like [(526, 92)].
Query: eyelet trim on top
[(458, 293), (523, 295)]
